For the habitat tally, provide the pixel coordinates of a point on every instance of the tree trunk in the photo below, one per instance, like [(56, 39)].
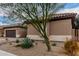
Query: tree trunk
[(47, 43)]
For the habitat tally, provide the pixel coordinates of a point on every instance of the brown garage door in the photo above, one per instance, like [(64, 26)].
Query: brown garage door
[(10, 33)]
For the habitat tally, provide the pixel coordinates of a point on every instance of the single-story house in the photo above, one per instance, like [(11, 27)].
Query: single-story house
[(59, 27)]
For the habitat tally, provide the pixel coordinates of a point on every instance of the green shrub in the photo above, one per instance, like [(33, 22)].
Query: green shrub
[(71, 47), (26, 43)]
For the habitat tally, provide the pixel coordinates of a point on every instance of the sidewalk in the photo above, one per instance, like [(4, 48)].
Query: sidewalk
[(4, 53)]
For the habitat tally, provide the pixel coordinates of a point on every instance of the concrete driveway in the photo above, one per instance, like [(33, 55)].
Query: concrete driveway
[(4, 53)]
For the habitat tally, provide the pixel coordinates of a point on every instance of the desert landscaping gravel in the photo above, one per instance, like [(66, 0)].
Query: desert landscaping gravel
[(39, 49)]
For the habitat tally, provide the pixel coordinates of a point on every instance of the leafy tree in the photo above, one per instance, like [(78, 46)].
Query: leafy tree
[(33, 13)]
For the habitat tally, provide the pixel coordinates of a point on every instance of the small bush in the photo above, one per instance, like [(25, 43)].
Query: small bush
[(36, 43), (26, 43), (71, 47), (17, 41), (53, 44), (33, 41)]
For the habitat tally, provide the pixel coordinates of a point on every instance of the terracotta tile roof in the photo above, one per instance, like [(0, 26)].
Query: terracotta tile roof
[(62, 16), (13, 26), (1, 27)]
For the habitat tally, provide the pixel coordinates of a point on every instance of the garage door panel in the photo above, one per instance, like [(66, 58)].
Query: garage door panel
[(62, 27), (10, 33)]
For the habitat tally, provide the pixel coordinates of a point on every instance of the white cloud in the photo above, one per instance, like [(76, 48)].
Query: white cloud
[(2, 12), (74, 10)]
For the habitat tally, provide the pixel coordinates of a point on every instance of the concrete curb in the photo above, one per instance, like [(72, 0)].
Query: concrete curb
[(4, 53)]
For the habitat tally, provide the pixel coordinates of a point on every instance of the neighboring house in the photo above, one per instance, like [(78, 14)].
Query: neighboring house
[(13, 31), (59, 27)]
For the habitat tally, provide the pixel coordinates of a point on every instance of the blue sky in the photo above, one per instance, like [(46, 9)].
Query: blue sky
[(3, 20), (6, 21), (67, 6), (71, 5)]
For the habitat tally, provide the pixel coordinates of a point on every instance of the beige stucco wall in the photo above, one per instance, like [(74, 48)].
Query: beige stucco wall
[(31, 30), (34, 34), (21, 32), (1, 32)]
